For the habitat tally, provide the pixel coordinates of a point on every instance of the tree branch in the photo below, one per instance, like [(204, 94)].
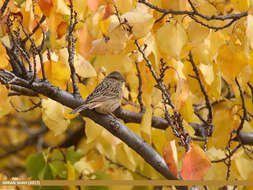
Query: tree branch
[(194, 14)]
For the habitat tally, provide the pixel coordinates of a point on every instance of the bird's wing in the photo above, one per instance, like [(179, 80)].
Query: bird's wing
[(92, 103), (97, 100)]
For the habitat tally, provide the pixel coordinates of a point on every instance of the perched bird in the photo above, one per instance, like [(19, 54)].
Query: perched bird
[(107, 95)]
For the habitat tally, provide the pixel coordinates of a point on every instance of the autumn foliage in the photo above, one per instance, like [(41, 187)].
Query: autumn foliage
[(188, 98)]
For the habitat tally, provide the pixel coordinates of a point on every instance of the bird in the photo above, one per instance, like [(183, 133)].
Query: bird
[(107, 95)]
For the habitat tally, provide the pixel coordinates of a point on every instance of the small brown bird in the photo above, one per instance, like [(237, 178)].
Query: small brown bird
[(107, 95)]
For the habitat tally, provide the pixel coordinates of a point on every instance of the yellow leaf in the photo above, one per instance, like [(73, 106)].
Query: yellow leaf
[(5, 106), (241, 5), (118, 38), (207, 71), (61, 7), (53, 116), (3, 57), (222, 125), (107, 144), (231, 62), (140, 20), (212, 174), (242, 163), (249, 30), (125, 156), (114, 62), (3, 94), (82, 10), (158, 139), (28, 15), (124, 5), (98, 46), (182, 93), (197, 33), (171, 39), (170, 4), (187, 111), (84, 68), (83, 167), (205, 7), (92, 130), (71, 174), (146, 124)]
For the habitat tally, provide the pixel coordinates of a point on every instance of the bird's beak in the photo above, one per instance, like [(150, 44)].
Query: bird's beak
[(124, 80)]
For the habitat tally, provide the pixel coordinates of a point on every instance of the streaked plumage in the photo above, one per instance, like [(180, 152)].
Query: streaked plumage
[(106, 97)]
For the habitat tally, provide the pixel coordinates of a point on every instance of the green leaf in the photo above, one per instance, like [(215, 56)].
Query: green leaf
[(57, 155), (46, 173), (73, 156), (34, 165), (59, 169)]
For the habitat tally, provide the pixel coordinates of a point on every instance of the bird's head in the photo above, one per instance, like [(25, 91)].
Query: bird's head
[(116, 76)]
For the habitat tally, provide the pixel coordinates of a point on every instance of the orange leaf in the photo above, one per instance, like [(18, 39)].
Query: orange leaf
[(170, 156), (94, 4), (46, 6), (181, 93), (195, 164), (108, 11), (61, 29), (85, 41)]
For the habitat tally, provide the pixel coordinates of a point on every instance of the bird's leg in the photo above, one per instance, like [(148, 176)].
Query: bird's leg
[(113, 115)]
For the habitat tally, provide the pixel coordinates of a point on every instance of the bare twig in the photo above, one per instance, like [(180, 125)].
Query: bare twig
[(158, 80), (227, 156), (175, 121), (26, 110), (71, 49), (245, 116), (4, 6), (43, 18), (208, 121), (195, 13), (139, 88)]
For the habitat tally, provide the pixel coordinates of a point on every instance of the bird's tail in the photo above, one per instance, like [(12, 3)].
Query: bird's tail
[(79, 109)]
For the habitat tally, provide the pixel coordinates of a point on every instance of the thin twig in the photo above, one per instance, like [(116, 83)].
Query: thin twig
[(26, 110), (139, 88), (208, 121), (43, 18), (71, 49), (4, 6), (231, 154), (194, 14), (244, 117)]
